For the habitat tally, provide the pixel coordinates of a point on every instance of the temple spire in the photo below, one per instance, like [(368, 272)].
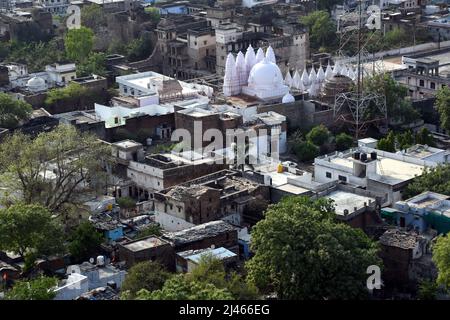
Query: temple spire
[(270, 55)]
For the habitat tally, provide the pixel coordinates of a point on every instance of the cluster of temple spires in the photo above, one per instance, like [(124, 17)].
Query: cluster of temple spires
[(313, 81), (238, 70)]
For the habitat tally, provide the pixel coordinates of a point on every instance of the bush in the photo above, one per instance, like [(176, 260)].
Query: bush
[(306, 150), (343, 141), (318, 135), (126, 202)]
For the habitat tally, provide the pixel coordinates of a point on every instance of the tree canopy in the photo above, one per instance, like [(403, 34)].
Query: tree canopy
[(399, 107), (94, 64), (441, 257), (301, 252), (443, 106), (344, 141), (147, 275), (29, 230), (12, 111), (79, 43), (180, 288), (432, 179), (318, 135), (37, 289), (207, 281), (84, 241), (322, 31), (54, 169)]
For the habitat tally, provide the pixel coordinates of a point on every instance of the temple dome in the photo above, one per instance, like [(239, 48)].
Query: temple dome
[(265, 74), (36, 84), (288, 98)]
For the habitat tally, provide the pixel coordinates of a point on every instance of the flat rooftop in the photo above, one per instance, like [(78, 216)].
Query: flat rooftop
[(143, 244), (125, 144), (200, 232), (348, 201), (196, 255), (389, 170), (292, 189)]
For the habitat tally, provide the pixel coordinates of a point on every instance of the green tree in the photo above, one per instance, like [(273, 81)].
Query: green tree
[(93, 17), (155, 16), (147, 275), (322, 30), (343, 141), (396, 38), (180, 288), (387, 143), (399, 107), (306, 150), (301, 252), (29, 230), (427, 290), (140, 48), (441, 258), (12, 112), (73, 93), (432, 179), (152, 230), (211, 270), (94, 64), (84, 241), (54, 169), (423, 136), (37, 289), (126, 202), (319, 135), (443, 106), (405, 140), (36, 55), (79, 43)]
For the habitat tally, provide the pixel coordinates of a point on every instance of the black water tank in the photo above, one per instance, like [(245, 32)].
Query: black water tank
[(373, 155), (363, 157), (356, 155)]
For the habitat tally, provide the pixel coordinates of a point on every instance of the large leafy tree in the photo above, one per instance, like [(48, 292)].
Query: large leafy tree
[(399, 108), (84, 241), (181, 288), (322, 31), (301, 252), (29, 230), (37, 289), (54, 169), (208, 281), (432, 179), (78, 43), (441, 257), (147, 275), (443, 106), (94, 64), (12, 111)]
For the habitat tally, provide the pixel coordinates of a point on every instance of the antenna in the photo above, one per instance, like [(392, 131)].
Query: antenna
[(350, 108)]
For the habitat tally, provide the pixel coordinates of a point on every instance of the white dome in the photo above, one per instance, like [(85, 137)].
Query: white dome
[(36, 84), (288, 98), (265, 74)]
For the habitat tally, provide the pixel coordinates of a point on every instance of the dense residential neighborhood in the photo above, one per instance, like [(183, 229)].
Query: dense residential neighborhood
[(224, 150)]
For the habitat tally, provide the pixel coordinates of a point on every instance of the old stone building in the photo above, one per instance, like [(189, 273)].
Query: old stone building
[(221, 195)]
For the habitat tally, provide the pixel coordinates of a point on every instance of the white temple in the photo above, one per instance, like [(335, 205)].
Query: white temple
[(312, 81), (257, 76)]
